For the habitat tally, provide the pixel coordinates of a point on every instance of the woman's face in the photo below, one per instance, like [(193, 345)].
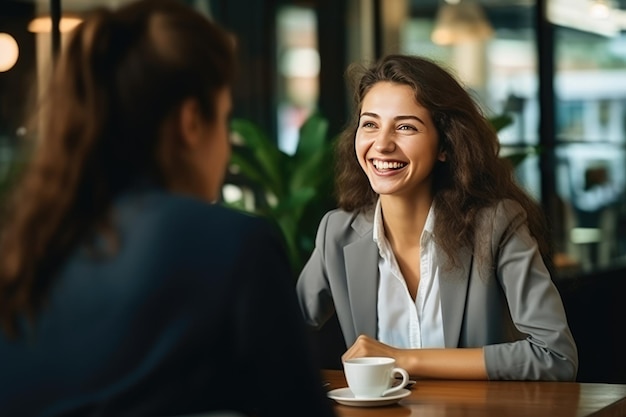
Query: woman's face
[(214, 149), (396, 143)]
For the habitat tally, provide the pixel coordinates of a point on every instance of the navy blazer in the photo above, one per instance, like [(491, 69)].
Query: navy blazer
[(195, 311), (509, 305)]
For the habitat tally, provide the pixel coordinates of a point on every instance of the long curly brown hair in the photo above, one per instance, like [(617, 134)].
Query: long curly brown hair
[(472, 177), (121, 76)]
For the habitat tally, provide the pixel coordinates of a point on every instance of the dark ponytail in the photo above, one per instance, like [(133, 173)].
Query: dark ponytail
[(118, 78)]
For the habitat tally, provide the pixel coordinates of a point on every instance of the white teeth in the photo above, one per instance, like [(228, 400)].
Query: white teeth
[(387, 165)]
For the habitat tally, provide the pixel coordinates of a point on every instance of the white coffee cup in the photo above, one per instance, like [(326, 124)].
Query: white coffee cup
[(373, 377)]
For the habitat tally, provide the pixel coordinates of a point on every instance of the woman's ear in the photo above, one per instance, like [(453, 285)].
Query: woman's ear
[(191, 122), (442, 156)]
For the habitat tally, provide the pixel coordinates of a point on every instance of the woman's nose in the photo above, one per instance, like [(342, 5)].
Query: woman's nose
[(384, 142)]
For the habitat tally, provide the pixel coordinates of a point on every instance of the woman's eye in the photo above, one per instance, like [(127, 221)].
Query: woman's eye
[(367, 124), (407, 127)]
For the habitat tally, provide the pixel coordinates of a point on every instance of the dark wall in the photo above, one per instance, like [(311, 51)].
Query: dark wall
[(332, 20), (596, 310), (253, 22)]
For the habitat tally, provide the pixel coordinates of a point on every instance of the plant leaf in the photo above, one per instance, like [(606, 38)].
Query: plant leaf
[(248, 167), (516, 158), (520, 155), (294, 204), (312, 137), (501, 121), (312, 172), (269, 156)]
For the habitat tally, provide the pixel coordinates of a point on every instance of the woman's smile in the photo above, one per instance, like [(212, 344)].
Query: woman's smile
[(396, 143), (385, 166)]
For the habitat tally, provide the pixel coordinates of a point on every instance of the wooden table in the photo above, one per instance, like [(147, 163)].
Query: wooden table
[(495, 398)]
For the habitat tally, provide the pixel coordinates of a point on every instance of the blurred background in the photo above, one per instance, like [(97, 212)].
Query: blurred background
[(556, 67)]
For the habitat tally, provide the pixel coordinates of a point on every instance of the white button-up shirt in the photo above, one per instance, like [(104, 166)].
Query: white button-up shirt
[(402, 321)]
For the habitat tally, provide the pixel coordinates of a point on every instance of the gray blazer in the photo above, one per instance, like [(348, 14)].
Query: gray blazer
[(509, 305)]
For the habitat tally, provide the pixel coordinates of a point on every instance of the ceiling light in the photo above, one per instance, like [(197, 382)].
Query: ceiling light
[(600, 9), (593, 16), (459, 23), (43, 24), (9, 52)]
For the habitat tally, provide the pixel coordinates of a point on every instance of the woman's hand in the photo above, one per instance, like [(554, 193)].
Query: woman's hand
[(366, 346)]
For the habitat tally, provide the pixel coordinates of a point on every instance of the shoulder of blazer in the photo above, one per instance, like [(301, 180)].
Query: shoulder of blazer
[(343, 222), (502, 218)]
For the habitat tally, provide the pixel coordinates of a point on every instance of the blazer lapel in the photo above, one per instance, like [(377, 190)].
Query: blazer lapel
[(362, 276), (453, 285)]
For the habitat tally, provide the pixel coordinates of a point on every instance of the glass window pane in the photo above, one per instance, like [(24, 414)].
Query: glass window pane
[(590, 90), (298, 64)]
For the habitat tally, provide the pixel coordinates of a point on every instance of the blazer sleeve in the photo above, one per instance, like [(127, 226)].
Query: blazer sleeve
[(548, 352), (313, 288)]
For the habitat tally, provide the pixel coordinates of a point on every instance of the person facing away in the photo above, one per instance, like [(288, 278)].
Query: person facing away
[(124, 290), (435, 256)]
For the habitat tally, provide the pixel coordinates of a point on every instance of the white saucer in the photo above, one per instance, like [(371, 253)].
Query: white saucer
[(346, 397)]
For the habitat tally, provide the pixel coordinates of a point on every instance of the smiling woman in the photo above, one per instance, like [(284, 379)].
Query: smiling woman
[(397, 143), (436, 256)]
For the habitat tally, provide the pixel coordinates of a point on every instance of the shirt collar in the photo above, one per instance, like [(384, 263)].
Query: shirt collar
[(379, 228)]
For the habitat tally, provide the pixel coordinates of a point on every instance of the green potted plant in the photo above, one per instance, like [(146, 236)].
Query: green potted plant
[(293, 191)]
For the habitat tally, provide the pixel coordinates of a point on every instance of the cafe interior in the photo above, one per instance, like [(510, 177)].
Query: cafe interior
[(551, 74)]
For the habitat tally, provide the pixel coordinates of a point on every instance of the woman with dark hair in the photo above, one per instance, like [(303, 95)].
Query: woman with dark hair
[(436, 257), (123, 289)]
